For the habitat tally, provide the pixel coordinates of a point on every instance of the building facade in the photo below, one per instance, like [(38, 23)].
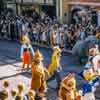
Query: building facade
[(62, 9), (66, 7), (46, 6)]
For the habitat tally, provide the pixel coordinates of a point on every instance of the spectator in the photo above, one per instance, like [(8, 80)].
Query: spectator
[(6, 86), (4, 95), (30, 95), (12, 29), (13, 94), (18, 98), (20, 94), (46, 30)]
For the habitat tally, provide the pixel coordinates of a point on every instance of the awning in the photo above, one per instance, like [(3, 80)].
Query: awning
[(85, 3)]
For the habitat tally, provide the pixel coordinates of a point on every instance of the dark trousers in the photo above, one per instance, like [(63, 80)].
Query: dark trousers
[(57, 76)]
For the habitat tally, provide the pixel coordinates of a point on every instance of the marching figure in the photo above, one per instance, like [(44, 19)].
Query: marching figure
[(89, 87), (68, 89), (26, 49), (55, 67), (38, 83), (94, 60)]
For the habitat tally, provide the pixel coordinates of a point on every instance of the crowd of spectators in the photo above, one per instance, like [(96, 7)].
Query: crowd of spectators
[(17, 93), (43, 30)]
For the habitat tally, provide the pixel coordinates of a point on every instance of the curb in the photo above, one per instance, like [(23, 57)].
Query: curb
[(41, 46), (51, 47)]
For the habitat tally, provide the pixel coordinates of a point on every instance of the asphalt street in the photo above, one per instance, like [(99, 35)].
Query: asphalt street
[(10, 66)]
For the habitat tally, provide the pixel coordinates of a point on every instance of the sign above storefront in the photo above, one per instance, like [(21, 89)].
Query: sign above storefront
[(50, 2)]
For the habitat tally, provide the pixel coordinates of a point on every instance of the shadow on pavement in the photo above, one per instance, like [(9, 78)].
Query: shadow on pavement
[(23, 73)]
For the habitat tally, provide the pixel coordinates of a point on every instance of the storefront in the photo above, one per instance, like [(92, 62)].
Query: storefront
[(46, 6)]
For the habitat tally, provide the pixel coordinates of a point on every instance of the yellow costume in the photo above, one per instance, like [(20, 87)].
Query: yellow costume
[(38, 82), (55, 61), (68, 89)]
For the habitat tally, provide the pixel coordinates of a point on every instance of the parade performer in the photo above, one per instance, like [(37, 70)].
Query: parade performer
[(55, 67), (26, 49), (94, 56), (89, 87), (68, 89), (38, 83)]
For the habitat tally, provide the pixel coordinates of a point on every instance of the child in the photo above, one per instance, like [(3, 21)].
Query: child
[(30, 95), (6, 86), (26, 48), (4, 95), (13, 94), (20, 88), (18, 98)]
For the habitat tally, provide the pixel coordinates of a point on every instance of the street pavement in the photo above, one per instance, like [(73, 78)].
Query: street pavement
[(10, 66)]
